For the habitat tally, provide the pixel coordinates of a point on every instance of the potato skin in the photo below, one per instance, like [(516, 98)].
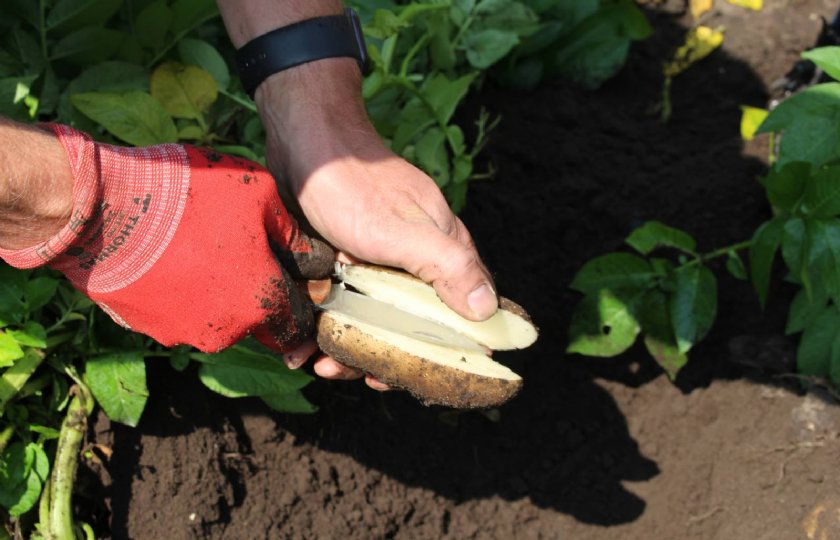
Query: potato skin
[(431, 383)]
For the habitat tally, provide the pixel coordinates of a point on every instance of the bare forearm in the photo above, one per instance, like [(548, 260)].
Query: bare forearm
[(246, 20), (305, 108), (36, 185)]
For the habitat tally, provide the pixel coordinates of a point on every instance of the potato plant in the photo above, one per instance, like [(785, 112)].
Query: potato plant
[(142, 72), (671, 300)]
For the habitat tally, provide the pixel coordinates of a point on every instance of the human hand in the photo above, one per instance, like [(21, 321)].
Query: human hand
[(366, 201), (176, 242)]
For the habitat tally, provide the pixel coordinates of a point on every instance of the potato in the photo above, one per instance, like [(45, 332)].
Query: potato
[(439, 369)]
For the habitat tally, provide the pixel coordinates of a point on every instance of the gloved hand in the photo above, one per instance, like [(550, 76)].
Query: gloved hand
[(179, 243)]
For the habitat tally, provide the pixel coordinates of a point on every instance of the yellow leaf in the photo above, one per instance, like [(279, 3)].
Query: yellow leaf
[(749, 4), (751, 119), (699, 7), (184, 91), (699, 43)]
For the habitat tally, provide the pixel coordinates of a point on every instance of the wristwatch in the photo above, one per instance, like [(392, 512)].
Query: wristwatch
[(305, 41)]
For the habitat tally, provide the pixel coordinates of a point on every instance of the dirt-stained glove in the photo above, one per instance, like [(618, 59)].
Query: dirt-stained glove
[(182, 244)]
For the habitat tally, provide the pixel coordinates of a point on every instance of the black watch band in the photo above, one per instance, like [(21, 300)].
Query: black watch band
[(305, 41)]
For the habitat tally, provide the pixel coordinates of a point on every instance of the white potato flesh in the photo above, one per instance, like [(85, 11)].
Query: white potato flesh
[(459, 359), (504, 330)]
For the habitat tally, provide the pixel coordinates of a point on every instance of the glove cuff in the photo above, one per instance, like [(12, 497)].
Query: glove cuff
[(86, 193)]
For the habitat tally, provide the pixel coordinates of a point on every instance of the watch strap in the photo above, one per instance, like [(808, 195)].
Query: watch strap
[(313, 39)]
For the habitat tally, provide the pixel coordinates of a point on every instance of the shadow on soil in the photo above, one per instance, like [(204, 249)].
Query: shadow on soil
[(577, 171)]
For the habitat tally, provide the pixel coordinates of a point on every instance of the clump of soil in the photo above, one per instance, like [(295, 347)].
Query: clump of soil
[(591, 449)]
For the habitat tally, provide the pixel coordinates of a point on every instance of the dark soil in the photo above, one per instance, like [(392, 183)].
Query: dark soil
[(591, 449)]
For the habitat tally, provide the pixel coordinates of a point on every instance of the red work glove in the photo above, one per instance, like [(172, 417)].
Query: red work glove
[(176, 242)]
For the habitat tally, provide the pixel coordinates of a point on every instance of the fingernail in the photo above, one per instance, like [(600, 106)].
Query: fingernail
[(294, 361), (483, 301)]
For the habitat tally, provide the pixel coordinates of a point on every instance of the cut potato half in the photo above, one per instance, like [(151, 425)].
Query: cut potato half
[(509, 328), (424, 350)]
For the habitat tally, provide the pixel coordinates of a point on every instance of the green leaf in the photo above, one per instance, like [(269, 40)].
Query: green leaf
[(487, 47), (826, 58), (786, 185), (385, 24), (77, 13), (462, 169), (241, 151), (456, 195), (660, 342), (23, 45), (40, 461), (88, 45), (200, 53), (413, 119), (765, 242), (693, 305), (614, 271), (824, 258), (509, 16), (118, 382), (235, 381), (135, 117), (191, 133), (109, 76), (653, 235), (432, 156), (187, 14), (441, 48), (735, 266), (153, 23), (39, 291), (184, 91), (12, 283), (597, 47), (603, 324), (32, 335), (813, 356), (801, 248), (9, 349), (822, 193), (241, 371), (804, 309), (811, 122), (292, 402), (20, 484), (444, 95)]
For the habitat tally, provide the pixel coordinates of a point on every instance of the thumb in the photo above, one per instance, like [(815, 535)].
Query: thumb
[(450, 262)]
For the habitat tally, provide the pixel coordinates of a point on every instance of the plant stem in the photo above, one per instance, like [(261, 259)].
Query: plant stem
[(719, 252), (60, 518), (461, 31), (412, 52), (247, 103), (16, 376)]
